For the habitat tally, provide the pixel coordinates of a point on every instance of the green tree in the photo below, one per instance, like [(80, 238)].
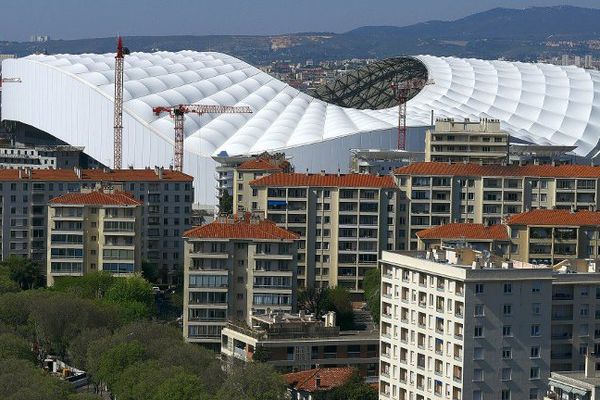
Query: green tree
[(78, 347), (114, 361), (93, 285), (253, 381), (261, 354), (182, 386), (24, 272), (12, 346), (354, 389), (7, 285), (322, 300), (226, 203), (372, 287), (150, 271), (22, 380)]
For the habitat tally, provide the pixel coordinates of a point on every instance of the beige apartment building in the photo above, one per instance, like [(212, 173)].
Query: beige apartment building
[(438, 193), (344, 222), (468, 141), (93, 231), (236, 267), (251, 170), (297, 342), (166, 196), (455, 327)]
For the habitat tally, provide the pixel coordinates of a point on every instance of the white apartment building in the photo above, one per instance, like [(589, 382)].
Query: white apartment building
[(451, 329), (93, 231), (236, 267)]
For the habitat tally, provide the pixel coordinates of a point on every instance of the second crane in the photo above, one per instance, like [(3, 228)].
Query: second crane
[(178, 114)]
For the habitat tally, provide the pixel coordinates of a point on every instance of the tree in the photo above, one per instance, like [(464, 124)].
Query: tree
[(253, 381), (24, 272), (115, 360), (226, 203), (372, 287), (322, 300), (90, 286), (182, 386), (12, 346), (7, 285), (354, 389), (22, 380), (261, 354), (150, 271)]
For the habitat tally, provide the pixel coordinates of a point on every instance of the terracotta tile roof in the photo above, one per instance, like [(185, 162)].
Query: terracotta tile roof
[(327, 180), (466, 231), (445, 169), (306, 381), (97, 198), (70, 175), (259, 164), (240, 228), (556, 217)]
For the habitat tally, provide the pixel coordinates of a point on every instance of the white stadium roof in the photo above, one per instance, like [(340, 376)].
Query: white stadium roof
[(70, 97)]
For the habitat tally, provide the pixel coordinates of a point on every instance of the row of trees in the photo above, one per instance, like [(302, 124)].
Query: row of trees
[(103, 325)]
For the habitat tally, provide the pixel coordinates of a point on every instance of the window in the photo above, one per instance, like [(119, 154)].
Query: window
[(478, 331), (584, 311), (478, 288), (534, 352), (507, 309), (536, 287), (506, 330), (477, 395), (506, 374), (507, 353), (479, 310), (505, 394), (478, 353), (535, 330), (477, 375), (536, 308), (507, 288), (533, 394), (534, 373)]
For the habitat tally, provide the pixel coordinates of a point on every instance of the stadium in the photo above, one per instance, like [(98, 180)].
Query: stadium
[(70, 97)]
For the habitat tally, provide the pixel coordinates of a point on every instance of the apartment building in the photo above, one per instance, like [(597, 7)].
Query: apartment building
[(297, 342), (45, 157), (344, 222), (493, 238), (93, 231), (452, 329), (467, 141), (236, 267), (166, 197), (251, 170), (439, 193), (552, 236), (576, 385)]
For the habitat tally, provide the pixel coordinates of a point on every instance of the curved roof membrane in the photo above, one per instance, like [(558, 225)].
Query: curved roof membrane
[(71, 98), (537, 103)]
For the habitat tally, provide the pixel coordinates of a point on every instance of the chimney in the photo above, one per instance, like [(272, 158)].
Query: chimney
[(77, 172), (318, 381), (590, 365), (322, 172)]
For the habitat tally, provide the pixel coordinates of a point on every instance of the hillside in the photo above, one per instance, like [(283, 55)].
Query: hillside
[(511, 33)]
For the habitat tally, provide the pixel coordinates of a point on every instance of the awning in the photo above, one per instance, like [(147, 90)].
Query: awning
[(276, 203)]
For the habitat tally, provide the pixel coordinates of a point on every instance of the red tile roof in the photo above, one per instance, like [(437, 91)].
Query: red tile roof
[(466, 231), (70, 175), (327, 180), (306, 381), (241, 228), (96, 198), (556, 217), (260, 164), (445, 169)]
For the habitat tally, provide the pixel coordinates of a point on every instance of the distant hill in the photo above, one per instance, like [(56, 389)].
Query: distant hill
[(500, 32)]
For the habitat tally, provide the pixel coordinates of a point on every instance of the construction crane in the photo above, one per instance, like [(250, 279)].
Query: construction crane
[(118, 105), (402, 91), (178, 113)]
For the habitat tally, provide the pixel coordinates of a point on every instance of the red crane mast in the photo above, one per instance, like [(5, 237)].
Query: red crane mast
[(402, 92), (118, 106), (178, 113)]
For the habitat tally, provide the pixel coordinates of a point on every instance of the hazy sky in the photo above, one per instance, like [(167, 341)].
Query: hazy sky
[(71, 19)]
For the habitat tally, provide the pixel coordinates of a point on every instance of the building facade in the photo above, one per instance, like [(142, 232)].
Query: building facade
[(437, 193), (93, 231), (344, 222), (467, 141), (297, 342), (41, 157), (166, 197), (452, 329), (236, 267)]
